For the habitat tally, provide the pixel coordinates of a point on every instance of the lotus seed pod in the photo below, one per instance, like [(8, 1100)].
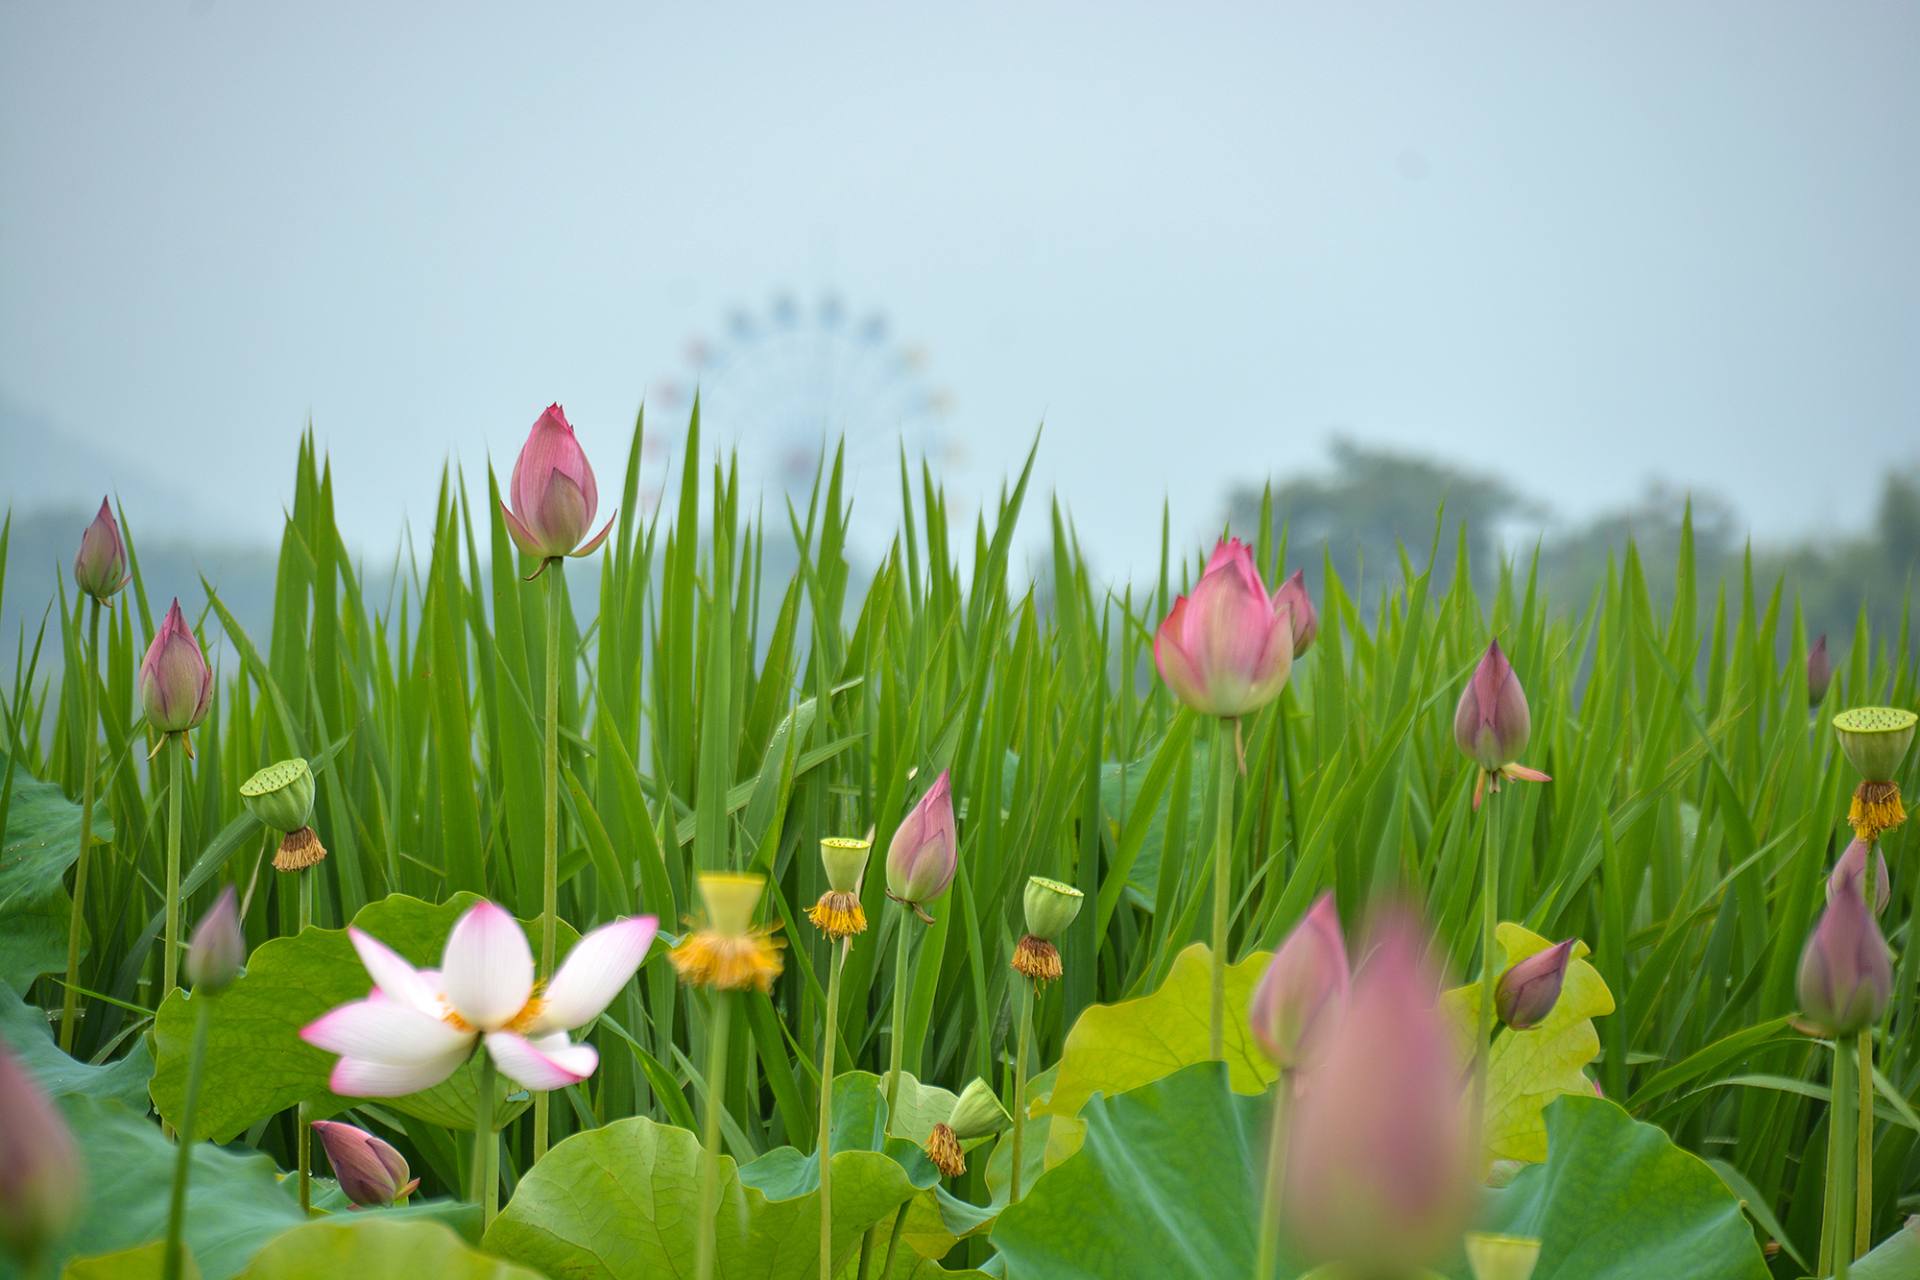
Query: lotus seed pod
[(978, 1113), (1502, 1257), (839, 913), (1051, 906), (1875, 739), (281, 795), (731, 900), (844, 858)]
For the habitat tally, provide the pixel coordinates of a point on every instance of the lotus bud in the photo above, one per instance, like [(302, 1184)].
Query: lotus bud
[(1502, 1257), (1491, 724), (977, 1113), (1819, 671), (281, 797), (1301, 992), (1875, 739), (1381, 1161), (371, 1173), (553, 493), (924, 852), (100, 566), (1854, 862), (176, 684), (1051, 906), (1846, 977), (839, 913), (40, 1171), (1227, 648), (1292, 596), (1527, 992), (218, 948)]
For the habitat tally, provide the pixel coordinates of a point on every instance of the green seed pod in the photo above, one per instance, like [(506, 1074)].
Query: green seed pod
[(1875, 739), (281, 795), (977, 1113), (1051, 907), (844, 859), (1502, 1257)]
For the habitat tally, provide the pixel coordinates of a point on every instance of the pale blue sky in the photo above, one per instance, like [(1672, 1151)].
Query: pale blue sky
[(1583, 243)]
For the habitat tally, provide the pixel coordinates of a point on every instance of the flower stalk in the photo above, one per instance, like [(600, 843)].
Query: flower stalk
[(1269, 1248), (1227, 770), (1843, 1122), (550, 826), (896, 1041), (183, 1155), (176, 747), (486, 1142), (829, 1029), (1489, 966), (1032, 991), (720, 1015), (89, 726)]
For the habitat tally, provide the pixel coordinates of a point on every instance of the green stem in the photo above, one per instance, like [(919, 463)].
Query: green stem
[(1843, 1127), (304, 1144), (486, 1143), (706, 1225), (896, 1036), (824, 1148), (76, 923), (183, 1156), (1020, 1089), (1863, 1155), (1489, 964), (1223, 761), (176, 746), (550, 850), (1276, 1172)]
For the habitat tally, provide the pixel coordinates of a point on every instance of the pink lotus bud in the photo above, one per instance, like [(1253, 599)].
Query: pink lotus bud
[(40, 1170), (1300, 994), (218, 947), (1226, 649), (1292, 596), (925, 852), (1491, 724), (100, 566), (371, 1173), (553, 493), (1381, 1160), (1854, 862), (1846, 977), (1819, 671), (175, 682), (1527, 992)]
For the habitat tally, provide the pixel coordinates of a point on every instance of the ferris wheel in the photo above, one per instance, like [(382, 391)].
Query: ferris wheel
[(785, 380)]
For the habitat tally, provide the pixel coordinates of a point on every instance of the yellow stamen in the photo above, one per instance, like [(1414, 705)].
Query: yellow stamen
[(728, 962), (298, 851), (838, 915), (1876, 808), (1037, 959), (944, 1150)]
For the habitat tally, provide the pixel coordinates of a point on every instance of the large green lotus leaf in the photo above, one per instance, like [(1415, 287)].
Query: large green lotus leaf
[(257, 1064), (377, 1246), (24, 1029), (1529, 1069), (621, 1203), (1895, 1258), (1117, 1047), (42, 839), (142, 1262), (235, 1203), (1616, 1200)]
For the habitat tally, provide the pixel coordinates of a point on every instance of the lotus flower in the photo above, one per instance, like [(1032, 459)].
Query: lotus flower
[(1292, 596), (925, 851), (371, 1173), (1846, 977), (1854, 863), (1300, 994), (176, 684), (1819, 671), (553, 493), (1381, 1160), (39, 1165), (1528, 991), (1491, 724), (100, 566), (218, 948), (1227, 649), (419, 1025)]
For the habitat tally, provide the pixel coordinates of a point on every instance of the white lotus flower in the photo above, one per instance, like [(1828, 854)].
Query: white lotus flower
[(418, 1025)]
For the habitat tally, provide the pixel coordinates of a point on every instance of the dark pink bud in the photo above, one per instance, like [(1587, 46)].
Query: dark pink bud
[(1226, 649), (176, 684), (552, 497), (39, 1165), (371, 1173), (100, 566), (1846, 976), (1292, 596), (218, 948), (1527, 992), (1854, 862), (1491, 724), (1300, 994), (1819, 671), (925, 850)]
